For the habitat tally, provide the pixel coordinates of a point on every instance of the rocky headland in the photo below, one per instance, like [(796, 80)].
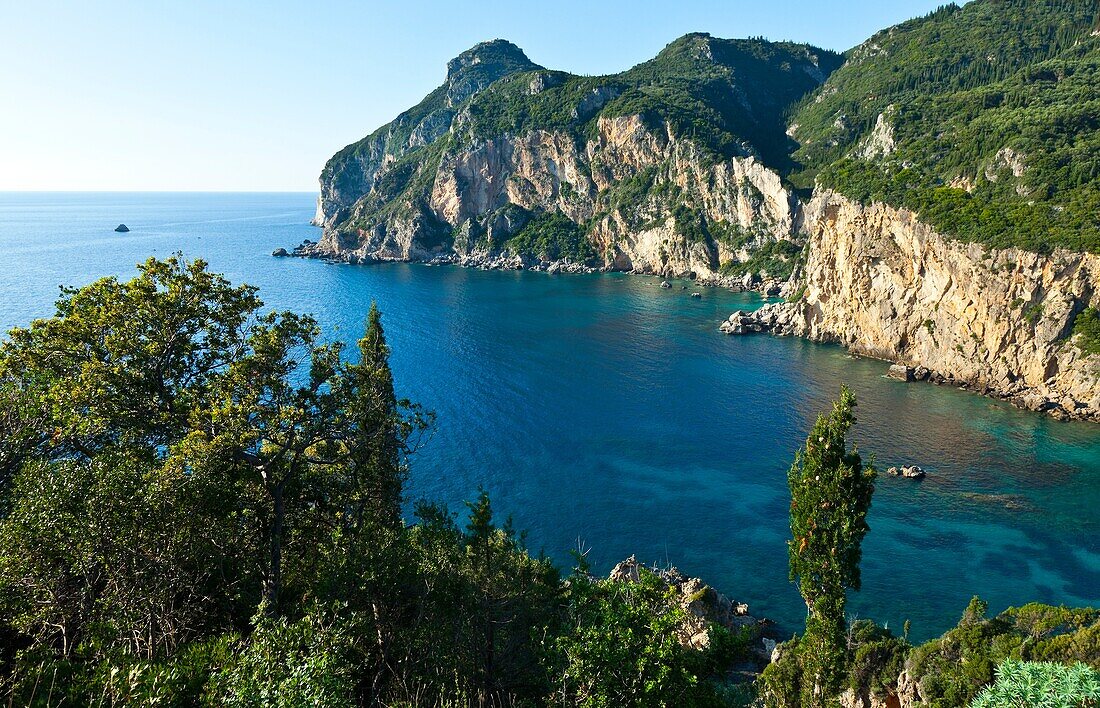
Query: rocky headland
[(684, 166)]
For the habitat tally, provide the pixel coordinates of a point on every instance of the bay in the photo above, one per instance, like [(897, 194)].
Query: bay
[(606, 412)]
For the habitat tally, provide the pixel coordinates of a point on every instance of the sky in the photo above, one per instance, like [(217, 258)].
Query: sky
[(229, 95)]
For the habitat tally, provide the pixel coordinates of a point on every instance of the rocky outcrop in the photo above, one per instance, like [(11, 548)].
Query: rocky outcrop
[(885, 285), (122, 228), (702, 605), (908, 471), (353, 172)]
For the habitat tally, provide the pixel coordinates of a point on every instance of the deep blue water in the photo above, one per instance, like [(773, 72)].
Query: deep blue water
[(606, 410)]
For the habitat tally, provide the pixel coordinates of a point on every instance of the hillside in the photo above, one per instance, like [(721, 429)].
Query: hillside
[(931, 197), (671, 166), (984, 119)]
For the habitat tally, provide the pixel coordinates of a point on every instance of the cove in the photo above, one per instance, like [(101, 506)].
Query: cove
[(606, 411)]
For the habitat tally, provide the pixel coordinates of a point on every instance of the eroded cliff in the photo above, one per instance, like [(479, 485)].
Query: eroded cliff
[(1000, 321)]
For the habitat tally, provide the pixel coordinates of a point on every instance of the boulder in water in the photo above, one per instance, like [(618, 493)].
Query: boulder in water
[(910, 471), (280, 253), (901, 372), (122, 228)]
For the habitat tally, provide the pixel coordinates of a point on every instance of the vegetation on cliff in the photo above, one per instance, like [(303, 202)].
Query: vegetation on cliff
[(982, 118), (202, 504)]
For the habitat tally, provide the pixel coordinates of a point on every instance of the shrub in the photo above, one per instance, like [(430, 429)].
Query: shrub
[(1042, 685), (1086, 331)]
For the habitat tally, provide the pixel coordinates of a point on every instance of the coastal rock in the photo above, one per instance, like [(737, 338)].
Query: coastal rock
[(280, 253), (910, 471), (701, 603), (901, 372), (880, 282), (666, 284), (774, 317), (122, 228)]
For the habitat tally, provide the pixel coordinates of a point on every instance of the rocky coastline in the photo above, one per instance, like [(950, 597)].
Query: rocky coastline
[(639, 196), (485, 260)]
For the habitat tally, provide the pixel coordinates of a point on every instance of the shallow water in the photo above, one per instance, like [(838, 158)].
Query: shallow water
[(605, 410)]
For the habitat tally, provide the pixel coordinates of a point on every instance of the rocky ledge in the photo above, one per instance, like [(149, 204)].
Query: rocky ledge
[(704, 606), (774, 318), (504, 260)]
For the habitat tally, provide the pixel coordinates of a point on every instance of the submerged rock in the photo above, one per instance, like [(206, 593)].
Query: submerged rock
[(122, 228)]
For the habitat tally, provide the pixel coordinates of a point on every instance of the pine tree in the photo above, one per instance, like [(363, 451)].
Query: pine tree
[(830, 495)]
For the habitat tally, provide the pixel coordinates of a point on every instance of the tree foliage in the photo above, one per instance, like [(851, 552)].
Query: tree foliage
[(831, 493)]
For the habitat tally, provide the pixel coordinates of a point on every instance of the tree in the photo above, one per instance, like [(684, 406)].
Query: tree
[(830, 496), (173, 459)]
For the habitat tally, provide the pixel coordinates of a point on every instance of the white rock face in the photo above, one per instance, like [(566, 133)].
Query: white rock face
[(549, 171), (885, 285)]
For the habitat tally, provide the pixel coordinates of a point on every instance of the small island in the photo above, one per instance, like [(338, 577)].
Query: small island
[(122, 228)]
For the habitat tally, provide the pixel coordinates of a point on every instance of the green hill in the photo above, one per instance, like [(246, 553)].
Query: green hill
[(989, 127)]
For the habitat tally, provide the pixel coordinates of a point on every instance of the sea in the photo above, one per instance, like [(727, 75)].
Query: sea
[(607, 415)]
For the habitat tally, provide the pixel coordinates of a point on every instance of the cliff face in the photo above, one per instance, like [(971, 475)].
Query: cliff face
[(475, 192), (683, 165), (660, 169), (885, 285), (353, 172)]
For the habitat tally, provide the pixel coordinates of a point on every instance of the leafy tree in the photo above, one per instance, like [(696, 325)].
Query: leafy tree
[(179, 458), (830, 496)]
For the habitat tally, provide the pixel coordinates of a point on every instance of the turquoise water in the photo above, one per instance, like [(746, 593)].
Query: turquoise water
[(604, 410)]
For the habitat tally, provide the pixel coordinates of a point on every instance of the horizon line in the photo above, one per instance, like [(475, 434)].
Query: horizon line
[(159, 191)]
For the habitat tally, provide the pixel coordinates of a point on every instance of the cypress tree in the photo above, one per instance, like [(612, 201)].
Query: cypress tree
[(830, 495), (377, 452)]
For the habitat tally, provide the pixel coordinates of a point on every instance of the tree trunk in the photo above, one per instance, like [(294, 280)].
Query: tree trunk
[(274, 581)]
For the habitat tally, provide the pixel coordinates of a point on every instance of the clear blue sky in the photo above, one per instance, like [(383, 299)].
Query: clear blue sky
[(228, 95)]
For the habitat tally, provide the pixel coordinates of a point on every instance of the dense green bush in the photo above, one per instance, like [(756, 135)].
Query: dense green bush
[(775, 259), (311, 661), (954, 668), (552, 236)]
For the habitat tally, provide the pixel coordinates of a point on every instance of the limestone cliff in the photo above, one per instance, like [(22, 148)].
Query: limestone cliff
[(885, 285), (684, 165), (661, 169), (491, 190)]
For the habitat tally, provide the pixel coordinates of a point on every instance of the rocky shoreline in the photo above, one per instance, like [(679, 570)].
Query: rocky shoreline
[(767, 287), (782, 319)]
